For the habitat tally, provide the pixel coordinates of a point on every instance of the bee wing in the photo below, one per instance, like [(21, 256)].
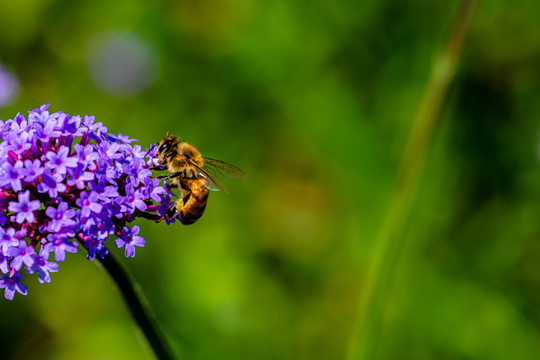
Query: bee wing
[(211, 183), (221, 169)]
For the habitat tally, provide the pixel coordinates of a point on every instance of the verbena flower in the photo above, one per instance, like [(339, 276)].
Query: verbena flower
[(129, 240), (12, 283), (63, 180)]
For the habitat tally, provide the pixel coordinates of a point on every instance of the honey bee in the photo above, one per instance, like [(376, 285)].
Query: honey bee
[(189, 172)]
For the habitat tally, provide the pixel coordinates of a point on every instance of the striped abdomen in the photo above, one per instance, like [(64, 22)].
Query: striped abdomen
[(195, 202)]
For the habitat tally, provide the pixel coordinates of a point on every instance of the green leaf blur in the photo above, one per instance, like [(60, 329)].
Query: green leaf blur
[(314, 101)]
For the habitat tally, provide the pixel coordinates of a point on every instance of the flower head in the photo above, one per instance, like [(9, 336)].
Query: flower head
[(64, 179)]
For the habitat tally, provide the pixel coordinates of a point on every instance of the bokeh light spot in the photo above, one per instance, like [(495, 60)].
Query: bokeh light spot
[(121, 63), (9, 87)]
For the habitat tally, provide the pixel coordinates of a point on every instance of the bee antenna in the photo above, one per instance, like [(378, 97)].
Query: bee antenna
[(167, 134), (153, 145)]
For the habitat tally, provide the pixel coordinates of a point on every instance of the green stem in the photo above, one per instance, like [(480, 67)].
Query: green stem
[(138, 307), (391, 237)]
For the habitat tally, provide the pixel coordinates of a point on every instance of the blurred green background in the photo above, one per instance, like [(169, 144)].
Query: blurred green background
[(314, 101)]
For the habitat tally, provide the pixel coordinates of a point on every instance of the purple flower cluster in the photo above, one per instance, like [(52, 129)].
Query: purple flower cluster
[(64, 180)]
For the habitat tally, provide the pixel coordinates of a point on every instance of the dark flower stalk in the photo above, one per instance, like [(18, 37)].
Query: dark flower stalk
[(65, 180), (137, 305)]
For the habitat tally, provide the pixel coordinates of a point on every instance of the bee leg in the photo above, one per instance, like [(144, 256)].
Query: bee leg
[(170, 176), (176, 174), (171, 212), (160, 177), (175, 209)]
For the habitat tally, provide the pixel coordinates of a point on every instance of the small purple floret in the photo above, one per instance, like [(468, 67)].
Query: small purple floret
[(61, 217), (42, 267), (12, 283), (129, 240), (59, 244), (24, 208), (21, 254), (7, 239)]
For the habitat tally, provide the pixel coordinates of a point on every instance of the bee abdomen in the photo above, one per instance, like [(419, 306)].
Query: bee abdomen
[(195, 204), (190, 215)]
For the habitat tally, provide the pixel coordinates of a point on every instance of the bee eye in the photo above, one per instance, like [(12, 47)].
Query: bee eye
[(163, 147)]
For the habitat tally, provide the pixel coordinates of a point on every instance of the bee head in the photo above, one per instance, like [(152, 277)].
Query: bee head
[(167, 147)]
